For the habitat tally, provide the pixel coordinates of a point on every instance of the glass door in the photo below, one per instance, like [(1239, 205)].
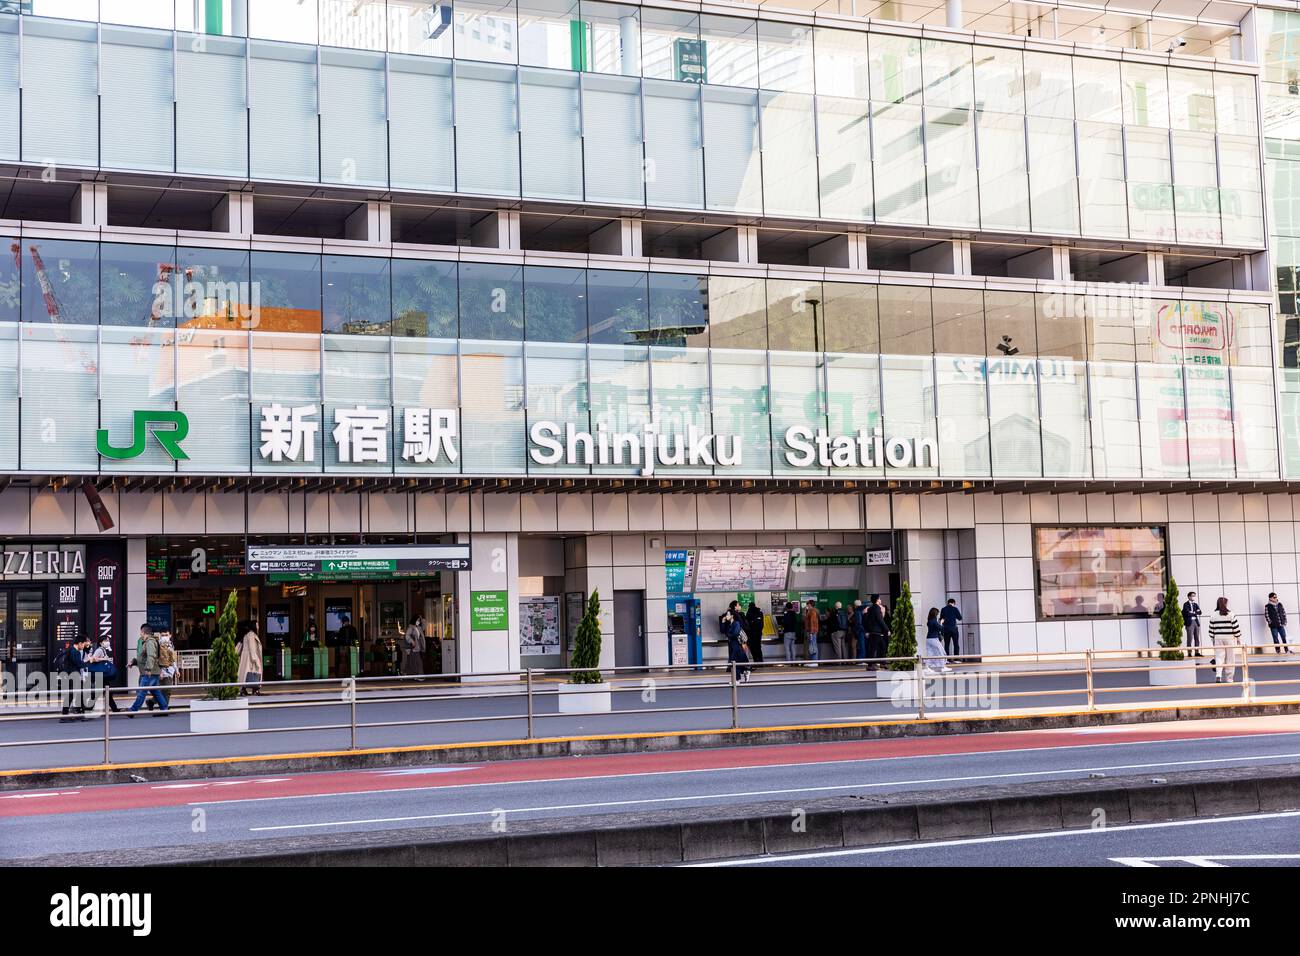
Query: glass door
[(29, 624), (8, 641)]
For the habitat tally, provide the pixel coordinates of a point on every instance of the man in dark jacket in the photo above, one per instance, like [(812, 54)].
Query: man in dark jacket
[(877, 631), (1192, 622), (1275, 618), (857, 620), (948, 619), (791, 624), (839, 625), (754, 631), (731, 623), (71, 677)]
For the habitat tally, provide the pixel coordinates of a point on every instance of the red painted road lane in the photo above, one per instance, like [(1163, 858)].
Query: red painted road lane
[(179, 793)]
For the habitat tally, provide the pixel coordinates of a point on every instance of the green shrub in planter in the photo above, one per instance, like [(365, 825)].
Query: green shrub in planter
[(1171, 625), (902, 632), (586, 645), (223, 661)]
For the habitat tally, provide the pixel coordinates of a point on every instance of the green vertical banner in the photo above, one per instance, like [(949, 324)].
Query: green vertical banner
[(578, 58), (488, 611), (212, 18)]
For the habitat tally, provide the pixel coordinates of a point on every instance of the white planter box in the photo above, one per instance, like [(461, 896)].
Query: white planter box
[(218, 716), (586, 698), (1171, 673), (898, 686)]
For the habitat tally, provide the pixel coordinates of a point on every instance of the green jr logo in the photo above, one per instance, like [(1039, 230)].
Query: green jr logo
[(144, 423)]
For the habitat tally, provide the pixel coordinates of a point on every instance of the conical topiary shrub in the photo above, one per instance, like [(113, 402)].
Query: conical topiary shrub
[(902, 632), (586, 645), (223, 661), (1171, 625)]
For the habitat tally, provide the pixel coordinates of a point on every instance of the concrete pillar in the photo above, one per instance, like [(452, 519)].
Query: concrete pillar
[(372, 222), (493, 577), (1061, 264), (953, 8), (840, 252), (619, 238), (733, 244), (90, 204), (1248, 39), (629, 39), (234, 214), (136, 596), (497, 230)]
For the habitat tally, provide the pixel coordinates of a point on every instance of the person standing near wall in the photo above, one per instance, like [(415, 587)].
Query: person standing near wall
[(1192, 623), (857, 621), (1275, 618), (949, 618), (812, 627), (877, 633), (754, 631), (789, 629), (1225, 632), (839, 628)]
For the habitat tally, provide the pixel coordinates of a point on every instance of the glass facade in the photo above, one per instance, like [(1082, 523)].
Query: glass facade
[(1100, 571), (1019, 384), (607, 103)]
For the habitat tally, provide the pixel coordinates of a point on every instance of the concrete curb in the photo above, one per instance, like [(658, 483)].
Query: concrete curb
[(701, 834), (384, 758)]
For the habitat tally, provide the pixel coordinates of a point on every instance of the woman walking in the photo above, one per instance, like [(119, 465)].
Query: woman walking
[(1225, 634), (250, 661), (936, 661), (413, 647)]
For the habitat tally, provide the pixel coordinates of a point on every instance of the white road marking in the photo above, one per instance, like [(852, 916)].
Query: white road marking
[(1007, 838), (1152, 861), (420, 771)]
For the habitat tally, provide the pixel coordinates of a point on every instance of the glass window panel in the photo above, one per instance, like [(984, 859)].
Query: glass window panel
[(1158, 329), (357, 374), (793, 311), (215, 290), (10, 279), (213, 19), (1209, 422), (60, 112), (949, 79), (491, 302), (1240, 192), (486, 30), (843, 160), (905, 320), (999, 80), (137, 371), (1053, 187), (1049, 85), (620, 393), (487, 130), (59, 385), (290, 287), (1250, 334), (841, 63), (797, 401), (958, 321), (1234, 96), (213, 393), (10, 114), (493, 425), (737, 312), (421, 133), (422, 27), (60, 282), (353, 120), (550, 134), (1097, 90), (425, 375), (613, 152), (1101, 180), (357, 295), (550, 34), (557, 393), (1017, 446), (9, 410), (908, 407), (730, 50), (850, 316), (129, 289), (899, 164), (681, 400), (136, 80), (1010, 321), (1064, 405), (614, 38), (789, 162), (1150, 207), (679, 309), (895, 68), (1289, 401), (1060, 326), (671, 48), (359, 24), (1098, 571), (141, 13), (963, 414), (1196, 188), (555, 304), (951, 173), (212, 90), (733, 173), (425, 300), (294, 20), (674, 153), (1254, 421), (1146, 95), (1164, 421), (286, 371), (785, 56), (617, 307), (1109, 323), (1191, 100), (853, 403), (740, 406), (1116, 439), (284, 126), (1003, 176)]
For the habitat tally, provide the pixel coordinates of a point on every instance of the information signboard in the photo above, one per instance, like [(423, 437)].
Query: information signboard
[(359, 560)]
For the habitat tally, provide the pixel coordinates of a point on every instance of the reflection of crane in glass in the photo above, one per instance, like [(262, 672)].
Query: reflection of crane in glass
[(52, 307)]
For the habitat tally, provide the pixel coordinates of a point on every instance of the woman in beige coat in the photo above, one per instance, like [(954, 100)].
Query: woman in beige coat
[(250, 661)]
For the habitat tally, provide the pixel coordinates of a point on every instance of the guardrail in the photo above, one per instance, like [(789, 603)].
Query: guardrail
[(913, 689)]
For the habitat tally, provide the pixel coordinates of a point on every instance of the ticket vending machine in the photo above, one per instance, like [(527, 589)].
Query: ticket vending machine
[(685, 642)]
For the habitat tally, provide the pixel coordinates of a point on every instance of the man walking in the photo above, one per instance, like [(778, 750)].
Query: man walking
[(859, 623), (948, 619), (1275, 618), (1192, 623), (839, 627), (147, 659), (877, 629)]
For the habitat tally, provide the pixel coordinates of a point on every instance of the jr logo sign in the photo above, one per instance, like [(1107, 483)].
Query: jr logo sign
[(169, 429)]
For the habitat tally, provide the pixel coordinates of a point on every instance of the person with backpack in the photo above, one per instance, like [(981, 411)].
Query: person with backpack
[(754, 631), (70, 663), (732, 629), (147, 654), (812, 626), (790, 624), (101, 662), (839, 627), (166, 665)]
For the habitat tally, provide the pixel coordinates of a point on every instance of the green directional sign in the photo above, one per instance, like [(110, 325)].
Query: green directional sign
[(488, 610), (168, 427), (356, 562)]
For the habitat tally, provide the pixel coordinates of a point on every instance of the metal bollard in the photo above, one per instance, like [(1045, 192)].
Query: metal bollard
[(1087, 666), (528, 677), (735, 697), (352, 710), (1245, 670), (107, 711), (920, 687)]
